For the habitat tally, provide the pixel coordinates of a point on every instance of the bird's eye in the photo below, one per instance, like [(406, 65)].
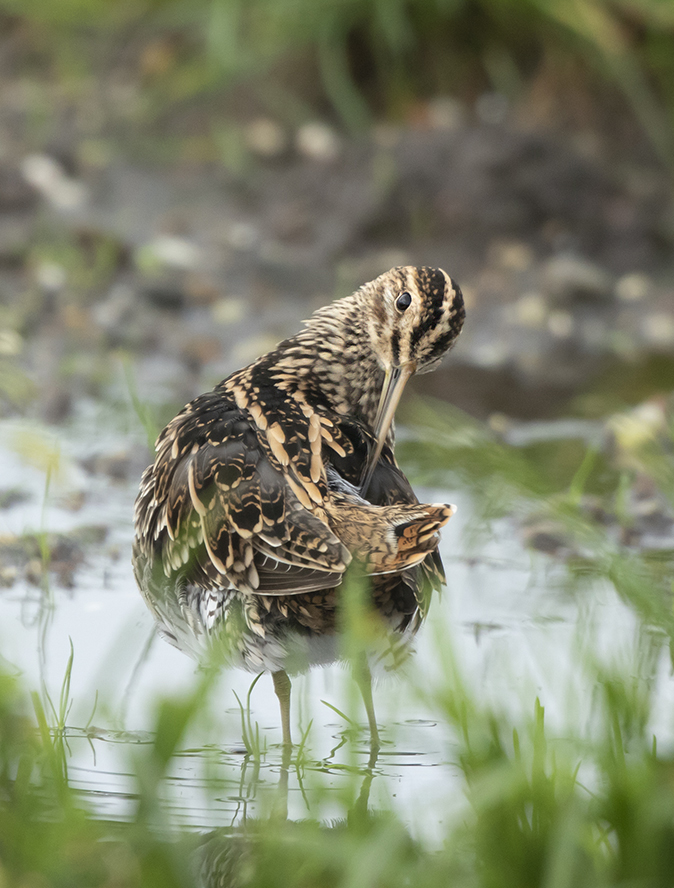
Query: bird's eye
[(404, 301)]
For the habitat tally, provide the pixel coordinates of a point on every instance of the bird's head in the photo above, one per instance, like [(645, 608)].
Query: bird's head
[(413, 317)]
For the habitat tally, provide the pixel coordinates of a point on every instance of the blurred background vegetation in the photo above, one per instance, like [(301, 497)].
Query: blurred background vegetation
[(218, 85), (357, 59)]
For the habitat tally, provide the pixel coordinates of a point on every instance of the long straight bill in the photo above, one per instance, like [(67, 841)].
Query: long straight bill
[(394, 383)]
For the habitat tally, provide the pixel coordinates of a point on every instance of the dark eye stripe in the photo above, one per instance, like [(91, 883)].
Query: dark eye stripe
[(395, 347), (431, 321)]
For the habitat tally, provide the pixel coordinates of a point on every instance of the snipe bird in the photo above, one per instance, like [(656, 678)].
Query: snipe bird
[(264, 490)]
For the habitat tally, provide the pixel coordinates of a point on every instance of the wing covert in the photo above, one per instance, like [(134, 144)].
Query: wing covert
[(219, 510)]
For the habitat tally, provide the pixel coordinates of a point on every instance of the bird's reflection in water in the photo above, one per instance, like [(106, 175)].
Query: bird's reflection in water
[(243, 854)]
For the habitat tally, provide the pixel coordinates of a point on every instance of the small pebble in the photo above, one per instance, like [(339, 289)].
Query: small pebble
[(50, 276), (50, 179), (318, 141), (546, 536), (265, 137), (499, 423), (228, 311), (658, 329), (13, 496), (570, 277), (11, 343), (651, 414), (633, 287), (115, 466), (176, 252), (648, 508), (34, 571), (531, 310), (639, 426), (491, 354), (8, 575)]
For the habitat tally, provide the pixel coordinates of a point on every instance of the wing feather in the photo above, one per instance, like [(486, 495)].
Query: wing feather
[(228, 511)]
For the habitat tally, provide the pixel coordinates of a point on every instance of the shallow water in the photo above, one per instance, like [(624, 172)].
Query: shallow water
[(507, 618)]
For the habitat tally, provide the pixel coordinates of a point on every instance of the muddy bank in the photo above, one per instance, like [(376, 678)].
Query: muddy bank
[(193, 269)]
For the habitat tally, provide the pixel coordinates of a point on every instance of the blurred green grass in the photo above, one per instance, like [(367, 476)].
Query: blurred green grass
[(532, 817), (362, 57), (590, 806), (540, 810), (578, 498)]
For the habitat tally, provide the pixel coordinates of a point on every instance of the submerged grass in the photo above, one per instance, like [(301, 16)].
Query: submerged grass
[(250, 735)]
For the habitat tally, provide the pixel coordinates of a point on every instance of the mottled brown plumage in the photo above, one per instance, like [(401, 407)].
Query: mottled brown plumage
[(264, 490)]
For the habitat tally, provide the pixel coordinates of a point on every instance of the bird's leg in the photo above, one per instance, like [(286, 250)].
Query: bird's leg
[(280, 806), (282, 688), (359, 813), (363, 678)]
